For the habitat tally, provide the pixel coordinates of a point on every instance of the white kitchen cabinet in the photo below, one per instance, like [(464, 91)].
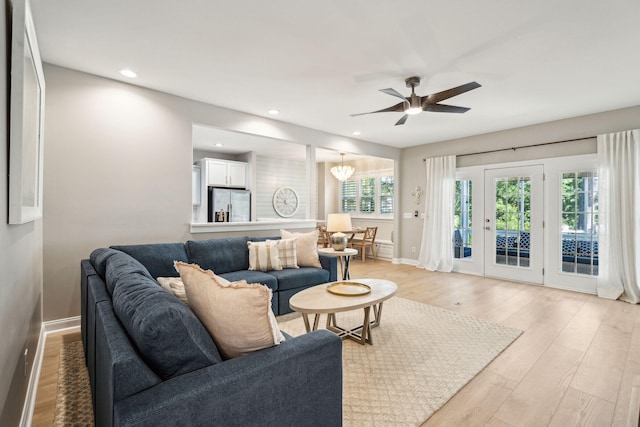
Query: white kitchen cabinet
[(226, 173)]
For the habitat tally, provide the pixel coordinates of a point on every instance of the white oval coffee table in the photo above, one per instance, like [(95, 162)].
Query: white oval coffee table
[(318, 300)]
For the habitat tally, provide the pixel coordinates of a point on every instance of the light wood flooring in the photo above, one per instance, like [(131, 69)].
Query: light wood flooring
[(576, 364)]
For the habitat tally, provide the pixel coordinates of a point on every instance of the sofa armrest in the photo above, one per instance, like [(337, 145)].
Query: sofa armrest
[(330, 263), (298, 382)]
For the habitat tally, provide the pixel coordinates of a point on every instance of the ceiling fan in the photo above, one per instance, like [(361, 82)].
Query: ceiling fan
[(415, 104)]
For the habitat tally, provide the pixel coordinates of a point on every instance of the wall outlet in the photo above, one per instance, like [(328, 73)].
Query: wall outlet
[(413, 249)]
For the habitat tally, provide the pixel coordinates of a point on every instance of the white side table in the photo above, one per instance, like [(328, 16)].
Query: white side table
[(344, 257)]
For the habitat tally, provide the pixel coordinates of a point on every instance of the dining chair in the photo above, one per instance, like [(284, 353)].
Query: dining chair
[(323, 237), (368, 241)]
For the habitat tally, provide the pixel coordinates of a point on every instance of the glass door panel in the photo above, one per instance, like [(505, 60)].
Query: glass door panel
[(513, 223)]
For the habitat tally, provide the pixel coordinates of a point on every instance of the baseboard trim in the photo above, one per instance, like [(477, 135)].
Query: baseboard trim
[(45, 329), (34, 378), (61, 324)]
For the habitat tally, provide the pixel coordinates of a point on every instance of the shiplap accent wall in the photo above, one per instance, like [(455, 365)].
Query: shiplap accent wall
[(271, 174)]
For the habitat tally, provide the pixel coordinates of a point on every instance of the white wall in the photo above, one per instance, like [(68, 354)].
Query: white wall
[(273, 173), (118, 170), (21, 283), (413, 173)]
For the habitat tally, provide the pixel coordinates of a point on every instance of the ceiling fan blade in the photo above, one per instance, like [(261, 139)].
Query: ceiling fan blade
[(402, 120), (442, 108), (399, 107), (449, 93), (393, 92)]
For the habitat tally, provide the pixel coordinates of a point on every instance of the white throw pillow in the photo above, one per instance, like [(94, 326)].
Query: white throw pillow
[(287, 253), (263, 256), (306, 247), (175, 286), (238, 315)]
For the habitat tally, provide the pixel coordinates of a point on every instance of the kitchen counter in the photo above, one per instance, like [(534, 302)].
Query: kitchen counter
[(262, 225)]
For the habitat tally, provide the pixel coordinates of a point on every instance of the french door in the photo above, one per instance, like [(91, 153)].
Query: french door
[(513, 223)]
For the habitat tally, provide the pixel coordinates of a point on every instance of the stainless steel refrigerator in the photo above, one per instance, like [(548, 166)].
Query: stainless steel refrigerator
[(229, 205)]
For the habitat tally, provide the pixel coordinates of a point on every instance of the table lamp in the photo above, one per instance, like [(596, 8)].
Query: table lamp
[(336, 224)]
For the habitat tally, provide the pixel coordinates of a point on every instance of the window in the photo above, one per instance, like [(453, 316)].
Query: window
[(580, 223), (369, 194), (348, 196), (386, 195), (462, 220)]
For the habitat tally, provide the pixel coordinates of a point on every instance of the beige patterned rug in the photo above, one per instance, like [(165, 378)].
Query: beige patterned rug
[(73, 399), (421, 356)]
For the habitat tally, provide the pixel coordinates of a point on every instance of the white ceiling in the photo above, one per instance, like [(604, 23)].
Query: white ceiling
[(318, 62)]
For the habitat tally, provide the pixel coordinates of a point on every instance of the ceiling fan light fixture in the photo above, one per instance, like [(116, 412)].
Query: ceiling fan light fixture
[(413, 111), (342, 172)]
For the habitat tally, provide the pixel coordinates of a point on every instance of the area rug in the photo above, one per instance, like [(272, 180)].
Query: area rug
[(73, 398), (421, 357)]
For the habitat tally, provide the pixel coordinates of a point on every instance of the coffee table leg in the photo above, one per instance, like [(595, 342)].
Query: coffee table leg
[(365, 329), (305, 317), (377, 315)]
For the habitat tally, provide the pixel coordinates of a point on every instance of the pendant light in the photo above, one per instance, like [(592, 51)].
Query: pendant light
[(342, 172)]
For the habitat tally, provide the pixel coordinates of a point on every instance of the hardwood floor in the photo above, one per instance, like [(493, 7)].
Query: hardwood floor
[(45, 407), (576, 364)]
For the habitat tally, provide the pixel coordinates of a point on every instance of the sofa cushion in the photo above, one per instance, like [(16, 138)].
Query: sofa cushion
[(306, 247), (99, 260), (303, 277), (121, 264), (264, 256), (219, 255), (157, 257), (166, 333), (238, 315), (264, 278)]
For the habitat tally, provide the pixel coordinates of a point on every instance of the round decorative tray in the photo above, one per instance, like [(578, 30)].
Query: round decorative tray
[(348, 288)]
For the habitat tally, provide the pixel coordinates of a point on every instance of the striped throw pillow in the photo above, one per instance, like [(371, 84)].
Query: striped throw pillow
[(263, 256)]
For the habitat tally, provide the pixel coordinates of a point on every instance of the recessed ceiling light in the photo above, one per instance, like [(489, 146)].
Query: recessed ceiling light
[(218, 145), (356, 133), (273, 111), (129, 73)]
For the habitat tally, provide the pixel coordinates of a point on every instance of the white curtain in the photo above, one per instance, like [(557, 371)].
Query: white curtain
[(436, 250), (619, 211)]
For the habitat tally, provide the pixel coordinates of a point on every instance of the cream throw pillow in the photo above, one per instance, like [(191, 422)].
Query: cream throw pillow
[(175, 286), (287, 252), (237, 315), (306, 247), (263, 256)]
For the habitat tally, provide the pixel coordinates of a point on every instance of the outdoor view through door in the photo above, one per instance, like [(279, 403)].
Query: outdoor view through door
[(531, 223), (580, 222), (513, 223)]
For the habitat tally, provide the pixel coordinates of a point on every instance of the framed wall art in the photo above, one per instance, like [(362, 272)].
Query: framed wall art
[(26, 121)]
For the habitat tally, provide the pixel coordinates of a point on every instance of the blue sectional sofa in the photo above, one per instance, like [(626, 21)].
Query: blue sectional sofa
[(151, 362)]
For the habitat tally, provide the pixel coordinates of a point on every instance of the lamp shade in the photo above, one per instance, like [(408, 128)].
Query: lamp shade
[(339, 222)]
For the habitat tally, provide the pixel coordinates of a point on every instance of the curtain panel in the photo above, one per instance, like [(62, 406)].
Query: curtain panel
[(619, 215), (436, 250)]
